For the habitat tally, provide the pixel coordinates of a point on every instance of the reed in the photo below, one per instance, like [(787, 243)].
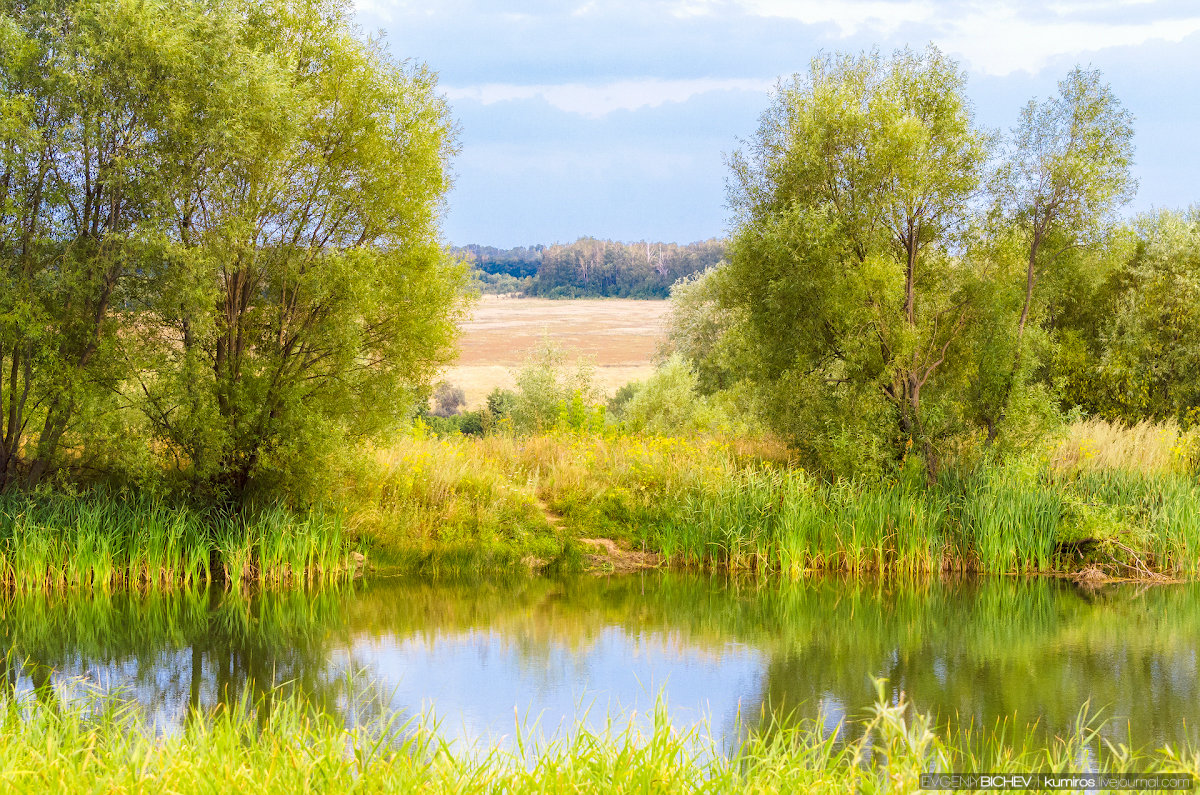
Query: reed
[(98, 542), (1009, 520)]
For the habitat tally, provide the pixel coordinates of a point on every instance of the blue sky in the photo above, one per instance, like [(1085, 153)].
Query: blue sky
[(611, 118)]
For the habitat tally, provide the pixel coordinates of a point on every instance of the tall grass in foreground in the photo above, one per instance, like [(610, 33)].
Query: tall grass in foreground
[(102, 745), (60, 541)]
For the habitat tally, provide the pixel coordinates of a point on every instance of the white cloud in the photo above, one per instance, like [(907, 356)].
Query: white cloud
[(993, 37), (1000, 42), (599, 100), (850, 16)]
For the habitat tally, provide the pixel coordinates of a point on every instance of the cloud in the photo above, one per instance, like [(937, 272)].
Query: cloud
[(999, 42), (609, 117), (596, 101), (993, 37), (849, 16)]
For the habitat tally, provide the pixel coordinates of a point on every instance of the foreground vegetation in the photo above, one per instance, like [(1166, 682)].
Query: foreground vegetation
[(100, 743)]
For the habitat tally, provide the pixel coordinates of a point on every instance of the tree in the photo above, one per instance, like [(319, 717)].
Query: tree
[(1065, 172), (1145, 338), (548, 393), (88, 154), (306, 293), (448, 400), (704, 331), (848, 202)]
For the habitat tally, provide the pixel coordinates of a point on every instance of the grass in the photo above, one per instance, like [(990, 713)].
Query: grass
[(513, 504), (1147, 447), (518, 502), (98, 743), (97, 542)]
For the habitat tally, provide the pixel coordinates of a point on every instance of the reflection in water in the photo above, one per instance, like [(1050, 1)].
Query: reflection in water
[(548, 654)]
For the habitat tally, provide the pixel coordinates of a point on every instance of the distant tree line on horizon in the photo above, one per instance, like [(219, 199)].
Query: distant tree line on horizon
[(590, 268)]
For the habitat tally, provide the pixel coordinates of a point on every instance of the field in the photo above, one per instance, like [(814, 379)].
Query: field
[(618, 336)]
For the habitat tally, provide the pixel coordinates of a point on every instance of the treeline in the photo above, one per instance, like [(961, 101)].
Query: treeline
[(591, 268)]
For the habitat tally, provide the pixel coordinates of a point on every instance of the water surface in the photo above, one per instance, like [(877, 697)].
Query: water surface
[(550, 654)]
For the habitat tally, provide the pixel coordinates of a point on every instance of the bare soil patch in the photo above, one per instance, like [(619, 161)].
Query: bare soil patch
[(609, 558)]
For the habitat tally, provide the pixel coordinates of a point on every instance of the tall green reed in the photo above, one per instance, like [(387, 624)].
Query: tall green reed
[(63, 541)]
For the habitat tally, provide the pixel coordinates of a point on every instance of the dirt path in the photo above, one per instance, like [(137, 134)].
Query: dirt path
[(606, 556)]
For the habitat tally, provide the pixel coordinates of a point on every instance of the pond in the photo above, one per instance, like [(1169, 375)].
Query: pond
[(550, 654)]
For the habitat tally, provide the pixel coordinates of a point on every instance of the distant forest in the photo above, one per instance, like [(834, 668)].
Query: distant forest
[(590, 268)]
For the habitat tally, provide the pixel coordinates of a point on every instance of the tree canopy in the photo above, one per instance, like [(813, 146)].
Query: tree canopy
[(220, 233), (886, 254)]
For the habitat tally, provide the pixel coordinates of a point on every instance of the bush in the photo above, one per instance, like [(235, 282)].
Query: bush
[(617, 403), (669, 403), (547, 392), (448, 400)]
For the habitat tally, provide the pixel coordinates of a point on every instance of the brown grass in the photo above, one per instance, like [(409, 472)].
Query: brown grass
[(1147, 447), (619, 336)]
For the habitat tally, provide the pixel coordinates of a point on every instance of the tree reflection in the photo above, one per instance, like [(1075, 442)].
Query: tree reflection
[(974, 652)]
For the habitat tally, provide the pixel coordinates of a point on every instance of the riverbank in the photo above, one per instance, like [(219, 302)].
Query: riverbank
[(465, 503), (508, 505), (98, 541), (100, 741)]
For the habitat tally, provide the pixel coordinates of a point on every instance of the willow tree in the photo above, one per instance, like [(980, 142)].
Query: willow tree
[(1064, 174), (306, 293), (849, 200), (84, 177)]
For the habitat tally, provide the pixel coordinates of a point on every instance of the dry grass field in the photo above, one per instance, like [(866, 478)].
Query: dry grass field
[(618, 336)]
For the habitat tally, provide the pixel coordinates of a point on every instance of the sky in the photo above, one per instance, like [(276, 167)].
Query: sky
[(613, 118)]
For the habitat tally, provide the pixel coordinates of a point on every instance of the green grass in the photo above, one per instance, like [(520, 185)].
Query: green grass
[(96, 542), (1002, 520), (472, 506), (99, 743)]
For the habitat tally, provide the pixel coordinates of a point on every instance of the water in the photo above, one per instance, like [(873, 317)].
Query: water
[(548, 655)]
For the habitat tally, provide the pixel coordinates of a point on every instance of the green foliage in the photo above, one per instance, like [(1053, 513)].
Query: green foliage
[(843, 258), (241, 251), (620, 399), (707, 331), (550, 394), (670, 403), (1150, 357), (88, 156), (319, 315), (1065, 172)]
